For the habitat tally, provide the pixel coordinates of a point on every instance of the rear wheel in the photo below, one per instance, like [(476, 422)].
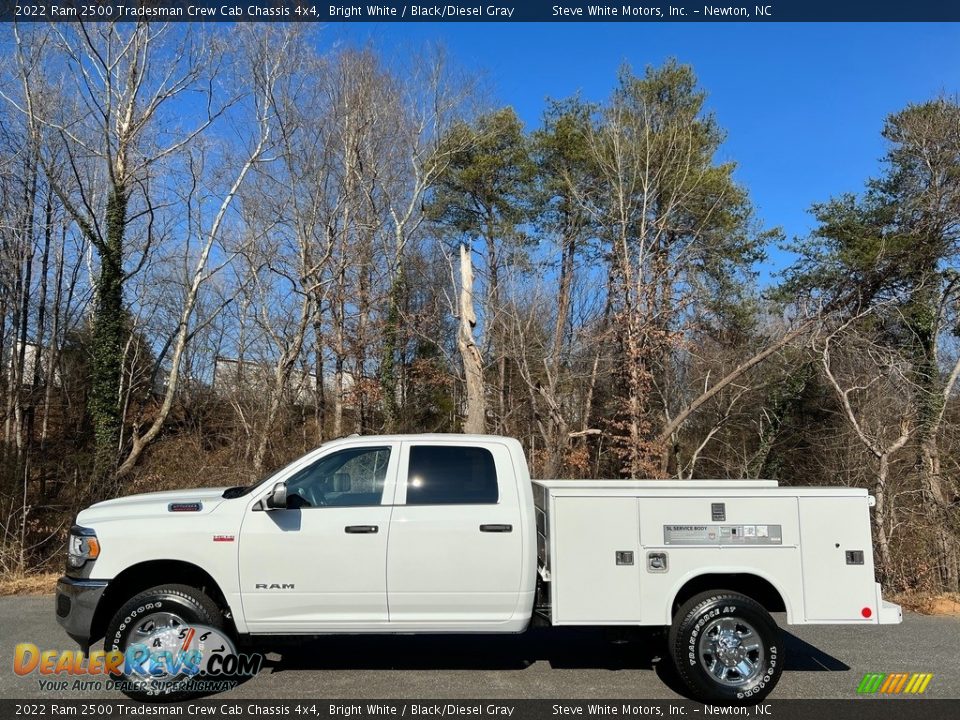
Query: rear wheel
[(726, 648)]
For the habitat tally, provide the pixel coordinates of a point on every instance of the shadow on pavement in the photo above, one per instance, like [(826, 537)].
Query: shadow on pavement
[(803, 656), (561, 647), (567, 648)]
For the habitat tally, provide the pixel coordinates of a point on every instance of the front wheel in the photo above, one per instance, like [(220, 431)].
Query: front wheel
[(157, 633), (726, 648)]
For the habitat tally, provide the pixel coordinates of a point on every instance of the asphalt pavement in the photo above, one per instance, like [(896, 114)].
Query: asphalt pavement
[(823, 661)]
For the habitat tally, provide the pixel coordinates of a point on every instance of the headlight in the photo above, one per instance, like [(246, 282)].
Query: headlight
[(82, 546)]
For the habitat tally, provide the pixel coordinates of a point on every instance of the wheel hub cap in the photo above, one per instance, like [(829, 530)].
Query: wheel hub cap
[(730, 650), (161, 632)]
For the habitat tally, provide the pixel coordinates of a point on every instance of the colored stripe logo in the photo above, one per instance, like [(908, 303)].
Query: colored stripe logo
[(894, 683)]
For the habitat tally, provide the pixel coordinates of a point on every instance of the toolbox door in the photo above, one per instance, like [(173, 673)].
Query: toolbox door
[(837, 556), (596, 561)]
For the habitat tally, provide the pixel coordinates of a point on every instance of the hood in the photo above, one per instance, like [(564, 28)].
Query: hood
[(155, 504)]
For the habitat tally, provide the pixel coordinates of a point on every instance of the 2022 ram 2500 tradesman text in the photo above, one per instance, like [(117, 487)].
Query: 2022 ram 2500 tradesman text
[(447, 533)]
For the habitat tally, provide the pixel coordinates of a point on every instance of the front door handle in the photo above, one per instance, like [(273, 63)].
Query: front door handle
[(356, 529), (496, 528)]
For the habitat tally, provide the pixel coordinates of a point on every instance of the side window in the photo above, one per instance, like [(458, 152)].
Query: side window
[(445, 475), (349, 478)]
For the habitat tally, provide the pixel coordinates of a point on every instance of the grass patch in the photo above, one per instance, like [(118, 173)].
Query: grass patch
[(930, 603), (28, 584)]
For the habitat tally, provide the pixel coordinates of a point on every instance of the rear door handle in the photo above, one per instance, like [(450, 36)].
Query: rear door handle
[(357, 529), (496, 528)]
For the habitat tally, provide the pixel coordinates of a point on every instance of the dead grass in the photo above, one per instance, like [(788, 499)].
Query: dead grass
[(34, 584), (929, 603)]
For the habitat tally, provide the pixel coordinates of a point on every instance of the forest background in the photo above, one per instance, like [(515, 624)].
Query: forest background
[(221, 247)]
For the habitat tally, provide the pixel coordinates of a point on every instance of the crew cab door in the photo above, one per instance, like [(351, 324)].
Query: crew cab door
[(455, 553), (320, 564)]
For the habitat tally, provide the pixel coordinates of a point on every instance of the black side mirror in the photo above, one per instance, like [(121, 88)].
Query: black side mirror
[(277, 500)]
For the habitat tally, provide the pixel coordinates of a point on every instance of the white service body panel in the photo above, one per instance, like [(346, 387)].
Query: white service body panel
[(619, 552)]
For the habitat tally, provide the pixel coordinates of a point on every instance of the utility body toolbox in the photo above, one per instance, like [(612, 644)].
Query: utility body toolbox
[(620, 552)]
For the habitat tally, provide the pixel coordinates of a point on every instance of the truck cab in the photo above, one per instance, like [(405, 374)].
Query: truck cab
[(410, 535), (364, 534)]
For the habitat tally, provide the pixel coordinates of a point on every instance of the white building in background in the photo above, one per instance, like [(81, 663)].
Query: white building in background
[(32, 352), (231, 375)]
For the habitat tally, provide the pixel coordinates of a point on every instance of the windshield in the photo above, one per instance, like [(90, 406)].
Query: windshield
[(240, 490)]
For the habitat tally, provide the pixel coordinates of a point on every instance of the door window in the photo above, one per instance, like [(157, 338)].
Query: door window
[(349, 478), (446, 475)]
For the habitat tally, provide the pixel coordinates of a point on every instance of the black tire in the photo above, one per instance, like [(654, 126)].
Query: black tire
[(726, 648), (187, 603)]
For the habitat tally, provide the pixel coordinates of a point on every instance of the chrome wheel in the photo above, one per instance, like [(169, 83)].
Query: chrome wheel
[(160, 632), (731, 651), (162, 624)]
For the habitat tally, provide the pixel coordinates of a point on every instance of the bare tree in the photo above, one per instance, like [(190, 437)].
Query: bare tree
[(418, 116), (876, 378), (125, 79), (264, 67)]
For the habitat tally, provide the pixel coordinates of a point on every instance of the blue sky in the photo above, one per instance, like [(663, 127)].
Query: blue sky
[(803, 103)]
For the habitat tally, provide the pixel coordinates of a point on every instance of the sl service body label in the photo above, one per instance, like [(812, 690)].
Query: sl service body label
[(722, 535)]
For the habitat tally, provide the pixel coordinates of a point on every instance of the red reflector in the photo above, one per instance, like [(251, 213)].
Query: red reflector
[(866, 612)]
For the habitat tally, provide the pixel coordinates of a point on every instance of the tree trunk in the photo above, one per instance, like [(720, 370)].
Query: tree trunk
[(108, 339), (492, 320), (475, 421), (273, 410), (52, 360), (641, 450), (320, 411), (392, 333), (339, 350), (945, 543), (558, 437), (880, 518), (12, 428)]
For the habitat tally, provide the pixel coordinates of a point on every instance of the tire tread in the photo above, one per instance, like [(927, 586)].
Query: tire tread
[(193, 597), (687, 613)]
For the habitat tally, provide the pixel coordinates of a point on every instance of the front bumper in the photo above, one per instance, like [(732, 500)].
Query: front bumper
[(76, 604)]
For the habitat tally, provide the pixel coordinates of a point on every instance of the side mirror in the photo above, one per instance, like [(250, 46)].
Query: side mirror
[(277, 500)]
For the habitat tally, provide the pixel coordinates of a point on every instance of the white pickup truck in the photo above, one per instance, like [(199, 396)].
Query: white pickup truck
[(448, 534)]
